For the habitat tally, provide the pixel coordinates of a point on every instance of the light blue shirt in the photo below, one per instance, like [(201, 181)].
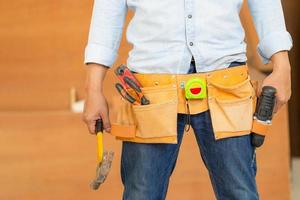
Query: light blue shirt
[(165, 34)]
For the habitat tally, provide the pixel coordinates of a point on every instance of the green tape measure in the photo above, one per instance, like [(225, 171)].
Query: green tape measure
[(195, 88)]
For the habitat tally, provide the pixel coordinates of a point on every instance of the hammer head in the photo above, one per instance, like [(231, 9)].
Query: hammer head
[(102, 169)]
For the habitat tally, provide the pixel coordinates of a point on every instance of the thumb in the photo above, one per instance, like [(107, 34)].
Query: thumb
[(106, 122), (259, 89)]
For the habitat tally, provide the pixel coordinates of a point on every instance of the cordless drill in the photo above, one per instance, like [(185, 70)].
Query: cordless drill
[(263, 113)]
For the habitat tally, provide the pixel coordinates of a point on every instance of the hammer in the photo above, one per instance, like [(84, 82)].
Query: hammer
[(104, 158)]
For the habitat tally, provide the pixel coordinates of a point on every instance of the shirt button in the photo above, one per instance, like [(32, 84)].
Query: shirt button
[(190, 16), (191, 43)]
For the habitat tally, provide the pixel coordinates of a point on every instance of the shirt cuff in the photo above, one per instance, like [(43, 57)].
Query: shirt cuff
[(95, 53), (273, 43)]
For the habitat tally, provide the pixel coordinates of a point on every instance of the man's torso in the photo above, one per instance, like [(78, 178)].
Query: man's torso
[(166, 34)]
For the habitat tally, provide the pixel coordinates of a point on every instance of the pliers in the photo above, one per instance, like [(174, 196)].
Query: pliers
[(128, 80)]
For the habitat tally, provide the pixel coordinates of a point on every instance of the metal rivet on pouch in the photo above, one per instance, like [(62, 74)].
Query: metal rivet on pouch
[(156, 83), (182, 84)]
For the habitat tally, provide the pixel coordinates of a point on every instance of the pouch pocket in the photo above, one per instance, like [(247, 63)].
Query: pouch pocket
[(124, 125), (226, 91), (231, 115), (159, 118), (231, 106), (156, 120)]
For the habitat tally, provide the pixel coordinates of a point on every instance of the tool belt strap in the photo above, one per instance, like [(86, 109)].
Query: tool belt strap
[(178, 80)]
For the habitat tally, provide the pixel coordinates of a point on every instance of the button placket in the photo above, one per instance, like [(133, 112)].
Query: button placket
[(189, 23)]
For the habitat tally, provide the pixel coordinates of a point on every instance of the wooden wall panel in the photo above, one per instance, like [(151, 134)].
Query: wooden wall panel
[(41, 57), (292, 16), (41, 52)]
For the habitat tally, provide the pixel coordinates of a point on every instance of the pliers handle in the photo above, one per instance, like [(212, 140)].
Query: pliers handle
[(126, 95), (137, 89), (128, 81)]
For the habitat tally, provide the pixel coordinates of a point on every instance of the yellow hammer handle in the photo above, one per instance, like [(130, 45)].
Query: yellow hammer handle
[(100, 146), (99, 132)]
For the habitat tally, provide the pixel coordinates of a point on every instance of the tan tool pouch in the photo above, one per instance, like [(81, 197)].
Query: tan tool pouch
[(231, 101), (153, 123)]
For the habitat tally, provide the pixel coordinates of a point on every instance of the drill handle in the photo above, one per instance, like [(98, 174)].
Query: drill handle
[(266, 103), (263, 113)]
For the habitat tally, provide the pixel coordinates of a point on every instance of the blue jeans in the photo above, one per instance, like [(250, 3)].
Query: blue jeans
[(231, 162)]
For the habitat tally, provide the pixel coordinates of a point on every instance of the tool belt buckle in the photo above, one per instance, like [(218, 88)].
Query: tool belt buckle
[(195, 88)]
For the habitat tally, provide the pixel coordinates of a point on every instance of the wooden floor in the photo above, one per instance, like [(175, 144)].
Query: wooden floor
[(50, 155)]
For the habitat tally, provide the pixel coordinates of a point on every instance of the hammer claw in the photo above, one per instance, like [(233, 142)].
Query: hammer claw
[(102, 169)]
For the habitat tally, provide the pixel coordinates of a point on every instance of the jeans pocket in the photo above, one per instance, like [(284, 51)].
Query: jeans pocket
[(253, 162)]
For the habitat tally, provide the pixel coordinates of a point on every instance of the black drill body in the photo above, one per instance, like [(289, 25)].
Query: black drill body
[(264, 112)]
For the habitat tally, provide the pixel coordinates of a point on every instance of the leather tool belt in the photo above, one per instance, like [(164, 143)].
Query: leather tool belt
[(230, 98)]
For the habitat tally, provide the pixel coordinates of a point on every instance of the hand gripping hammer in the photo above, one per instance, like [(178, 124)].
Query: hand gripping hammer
[(104, 158)]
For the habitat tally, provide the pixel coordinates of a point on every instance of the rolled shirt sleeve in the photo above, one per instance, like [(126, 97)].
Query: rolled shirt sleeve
[(105, 32), (270, 26)]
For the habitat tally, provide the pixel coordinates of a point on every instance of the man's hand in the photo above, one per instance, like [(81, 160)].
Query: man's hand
[(280, 78), (95, 103)]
